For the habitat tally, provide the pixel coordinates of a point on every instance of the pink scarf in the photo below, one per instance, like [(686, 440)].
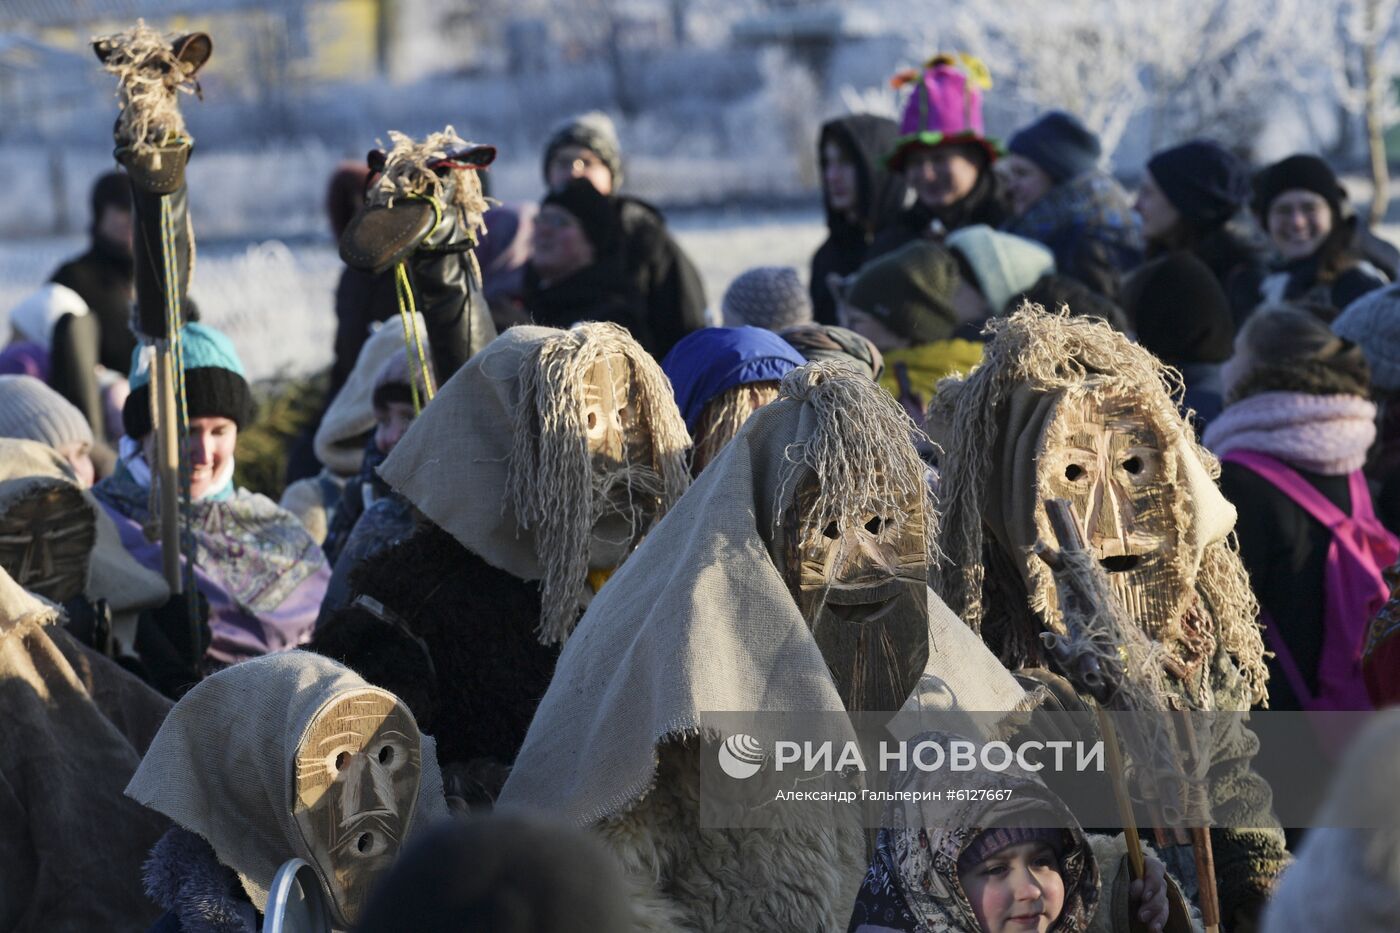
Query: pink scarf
[(1326, 434)]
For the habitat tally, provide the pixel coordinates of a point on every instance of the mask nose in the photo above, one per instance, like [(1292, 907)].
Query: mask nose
[(1109, 518)]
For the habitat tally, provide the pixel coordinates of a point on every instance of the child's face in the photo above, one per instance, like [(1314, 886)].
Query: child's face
[(1017, 890), (391, 421)]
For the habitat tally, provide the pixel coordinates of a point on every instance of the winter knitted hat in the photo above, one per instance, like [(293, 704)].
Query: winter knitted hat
[(216, 384), (945, 108), (1003, 264), (1000, 838), (1203, 180), (1297, 172), (910, 291), (1059, 144), (31, 411), (771, 297), (1373, 322), (593, 130), (1180, 311), (593, 211), (35, 317)]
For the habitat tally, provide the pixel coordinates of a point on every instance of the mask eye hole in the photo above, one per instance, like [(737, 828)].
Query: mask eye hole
[(1133, 465), (592, 421), (831, 531), (1074, 472), (341, 760), (386, 755), (874, 525)]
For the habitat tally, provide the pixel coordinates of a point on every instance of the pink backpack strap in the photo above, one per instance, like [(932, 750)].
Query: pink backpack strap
[(1292, 485)]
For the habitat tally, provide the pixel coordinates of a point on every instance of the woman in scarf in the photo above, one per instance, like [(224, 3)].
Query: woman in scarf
[(258, 568), (1296, 397)]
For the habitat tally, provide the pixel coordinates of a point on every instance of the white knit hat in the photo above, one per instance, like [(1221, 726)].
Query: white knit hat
[(1004, 265), (1373, 321), (31, 411)]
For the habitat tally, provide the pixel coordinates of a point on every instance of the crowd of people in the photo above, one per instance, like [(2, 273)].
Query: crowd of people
[(566, 509)]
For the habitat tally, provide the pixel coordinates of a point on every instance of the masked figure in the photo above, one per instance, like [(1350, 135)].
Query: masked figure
[(791, 577), (281, 757), (539, 468), (1067, 408)]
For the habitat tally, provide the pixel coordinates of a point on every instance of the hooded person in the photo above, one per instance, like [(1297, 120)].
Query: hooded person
[(829, 342), (910, 304), (280, 757), (1000, 267), (944, 154), (32, 325), (74, 730), (1187, 200), (1060, 197), (1312, 227), (1347, 873), (259, 569), (1065, 407), (791, 577), (538, 469), (104, 276), (344, 432), (652, 263), (859, 195), (1182, 315), (721, 376)]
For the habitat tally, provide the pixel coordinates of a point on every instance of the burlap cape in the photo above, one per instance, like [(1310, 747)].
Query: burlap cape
[(221, 765), (699, 620)]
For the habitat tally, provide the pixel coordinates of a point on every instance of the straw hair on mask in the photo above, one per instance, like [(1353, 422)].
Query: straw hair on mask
[(407, 174), (1049, 352), (550, 478), (726, 413), (860, 451), (149, 81)]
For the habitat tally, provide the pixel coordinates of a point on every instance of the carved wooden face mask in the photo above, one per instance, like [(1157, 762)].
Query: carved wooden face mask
[(357, 775), (620, 450), (862, 591), (1103, 454)]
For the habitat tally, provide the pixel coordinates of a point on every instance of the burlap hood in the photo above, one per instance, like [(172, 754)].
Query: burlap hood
[(221, 765), (113, 574), (490, 446), (339, 441), (700, 620)]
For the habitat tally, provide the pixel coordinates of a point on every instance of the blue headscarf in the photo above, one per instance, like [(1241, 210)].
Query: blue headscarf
[(705, 363)]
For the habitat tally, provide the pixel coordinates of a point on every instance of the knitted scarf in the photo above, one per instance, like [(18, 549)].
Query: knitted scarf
[(1326, 434)]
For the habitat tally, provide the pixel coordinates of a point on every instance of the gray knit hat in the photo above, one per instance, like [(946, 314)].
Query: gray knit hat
[(31, 411), (1373, 321), (593, 130), (771, 297)]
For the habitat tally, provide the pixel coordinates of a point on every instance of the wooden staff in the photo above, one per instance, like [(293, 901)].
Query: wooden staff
[(167, 465)]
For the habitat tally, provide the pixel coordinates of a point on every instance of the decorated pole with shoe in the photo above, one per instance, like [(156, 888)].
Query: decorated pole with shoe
[(153, 145), (422, 217)]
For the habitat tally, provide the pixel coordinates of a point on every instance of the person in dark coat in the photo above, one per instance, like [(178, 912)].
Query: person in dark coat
[(1181, 314), (1062, 198), (1187, 199), (1373, 323), (1297, 393), (944, 155), (103, 275), (657, 268), (859, 195), (1313, 230), (574, 273)]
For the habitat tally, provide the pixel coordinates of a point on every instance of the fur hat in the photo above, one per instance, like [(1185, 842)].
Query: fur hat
[(1003, 265), (910, 291), (593, 211), (1203, 180), (1373, 322), (216, 384), (945, 108), (593, 130), (31, 411), (1059, 144), (771, 297)]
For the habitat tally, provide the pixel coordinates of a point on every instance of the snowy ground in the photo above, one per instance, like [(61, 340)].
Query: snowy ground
[(275, 298)]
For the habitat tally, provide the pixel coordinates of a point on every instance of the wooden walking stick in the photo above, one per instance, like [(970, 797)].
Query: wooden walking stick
[(153, 146)]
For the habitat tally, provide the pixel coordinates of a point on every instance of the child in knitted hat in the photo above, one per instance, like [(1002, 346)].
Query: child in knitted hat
[(771, 297), (30, 410)]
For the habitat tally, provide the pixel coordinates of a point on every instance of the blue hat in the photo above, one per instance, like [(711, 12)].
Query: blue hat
[(1203, 180), (1059, 144), (216, 385), (707, 362)]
